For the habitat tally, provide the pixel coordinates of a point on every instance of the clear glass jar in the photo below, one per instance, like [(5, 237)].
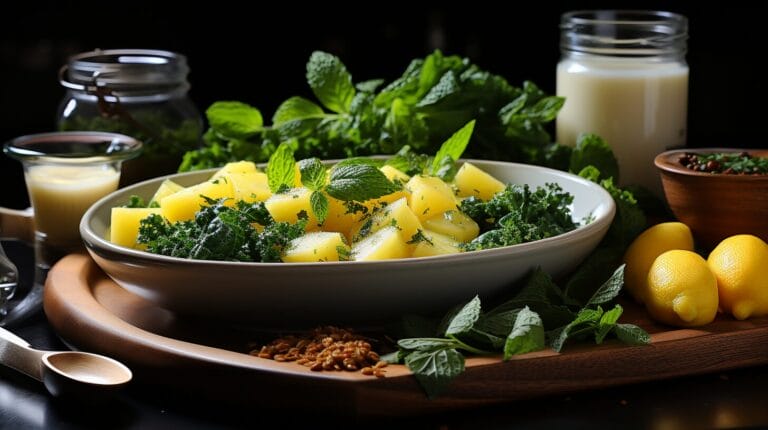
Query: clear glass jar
[(137, 92), (624, 77)]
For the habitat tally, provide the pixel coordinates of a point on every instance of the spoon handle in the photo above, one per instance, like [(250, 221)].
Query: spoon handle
[(16, 353)]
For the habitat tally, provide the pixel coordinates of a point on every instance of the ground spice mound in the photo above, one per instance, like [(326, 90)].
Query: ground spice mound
[(326, 348)]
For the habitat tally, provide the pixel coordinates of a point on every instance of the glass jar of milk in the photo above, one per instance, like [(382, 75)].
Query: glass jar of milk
[(624, 77), (142, 93)]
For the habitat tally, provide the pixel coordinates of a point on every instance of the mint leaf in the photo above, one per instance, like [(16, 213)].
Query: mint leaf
[(330, 81), (281, 169), (526, 336), (607, 323), (312, 174), (369, 86), (632, 334), (591, 150), (426, 343), (585, 320), (296, 108), (435, 369), (319, 205), (598, 267), (358, 182), (453, 147), (234, 119), (609, 290), (463, 321)]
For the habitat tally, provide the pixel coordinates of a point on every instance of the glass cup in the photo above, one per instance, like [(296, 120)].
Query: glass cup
[(66, 172)]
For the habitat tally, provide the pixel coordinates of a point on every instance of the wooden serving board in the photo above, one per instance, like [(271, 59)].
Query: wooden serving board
[(200, 359)]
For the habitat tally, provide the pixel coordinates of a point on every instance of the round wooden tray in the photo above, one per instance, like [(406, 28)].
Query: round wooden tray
[(202, 359)]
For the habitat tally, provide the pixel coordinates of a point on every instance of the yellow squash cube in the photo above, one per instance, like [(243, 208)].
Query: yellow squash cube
[(338, 218), (395, 176), (472, 181), (184, 204), (397, 215), (435, 244), (165, 189), (250, 187), (285, 207), (236, 167), (125, 222), (316, 246), (385, 244), (454, 224), (430, 196)]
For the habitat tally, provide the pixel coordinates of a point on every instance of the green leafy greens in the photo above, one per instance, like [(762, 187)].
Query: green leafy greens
[(433, 98), (539, 315)]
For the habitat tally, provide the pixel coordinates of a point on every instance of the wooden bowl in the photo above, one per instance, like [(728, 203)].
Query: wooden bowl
[(715, 205)]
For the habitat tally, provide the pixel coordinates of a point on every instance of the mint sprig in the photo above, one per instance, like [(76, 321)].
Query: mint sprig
[(281, 169), (330, 81), (234, 120), (516, 326), (296, 108), (450, 151), (359, 182)]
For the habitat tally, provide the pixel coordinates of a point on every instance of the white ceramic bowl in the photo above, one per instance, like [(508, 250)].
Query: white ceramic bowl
[(282, 295)]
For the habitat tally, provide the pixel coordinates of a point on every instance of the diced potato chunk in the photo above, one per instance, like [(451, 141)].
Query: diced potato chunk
[(165, 189), (472, 181), (435, 244), (316, 246), (385, 244), (396, 176), (286, 207), (338, 218), (125, 222), (182, 205), (454, 224), (250, 187), (397, 215), (236, 167), (430, 196)]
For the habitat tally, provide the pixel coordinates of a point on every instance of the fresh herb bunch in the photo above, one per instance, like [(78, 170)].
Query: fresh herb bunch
[(540, 315), (517, 215), (434, 97), (221, 232), (161, 135)]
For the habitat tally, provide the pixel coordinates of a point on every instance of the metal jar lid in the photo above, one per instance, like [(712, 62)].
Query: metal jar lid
[(125, 70)]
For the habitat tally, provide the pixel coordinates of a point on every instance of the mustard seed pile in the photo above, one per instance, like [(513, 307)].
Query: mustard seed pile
[(326, 348)]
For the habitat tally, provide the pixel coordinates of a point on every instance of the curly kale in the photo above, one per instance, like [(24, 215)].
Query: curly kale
[(221, 232), (518, 215)]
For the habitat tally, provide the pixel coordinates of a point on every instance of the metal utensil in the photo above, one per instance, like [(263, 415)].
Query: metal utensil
[(9, 278)]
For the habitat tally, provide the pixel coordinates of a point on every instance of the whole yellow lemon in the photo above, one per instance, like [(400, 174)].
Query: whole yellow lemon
[(740, 264), (682, 291), (646, 247)]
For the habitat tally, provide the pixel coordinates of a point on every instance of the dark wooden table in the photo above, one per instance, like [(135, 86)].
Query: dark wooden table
[(734, 399)]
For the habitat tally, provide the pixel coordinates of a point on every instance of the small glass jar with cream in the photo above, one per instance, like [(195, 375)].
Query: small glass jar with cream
[(66, 172), (625, 78)]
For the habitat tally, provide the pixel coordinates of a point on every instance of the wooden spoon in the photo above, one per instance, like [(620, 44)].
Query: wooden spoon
[(63, 372)]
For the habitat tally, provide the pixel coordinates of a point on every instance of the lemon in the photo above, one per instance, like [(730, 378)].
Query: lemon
[(646, 247), (682, 291), (740, 264)]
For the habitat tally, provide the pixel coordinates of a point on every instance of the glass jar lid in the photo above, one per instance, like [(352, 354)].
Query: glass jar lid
[(125, 70)]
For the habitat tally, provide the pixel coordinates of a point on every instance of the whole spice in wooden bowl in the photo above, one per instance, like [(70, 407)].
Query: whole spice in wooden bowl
[(717, 192)]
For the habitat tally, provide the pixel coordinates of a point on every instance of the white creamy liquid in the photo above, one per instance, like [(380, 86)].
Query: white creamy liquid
[(639, 108), (60, 195)]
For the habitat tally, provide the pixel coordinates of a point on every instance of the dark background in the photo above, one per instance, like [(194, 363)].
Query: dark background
[(242, 51)]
